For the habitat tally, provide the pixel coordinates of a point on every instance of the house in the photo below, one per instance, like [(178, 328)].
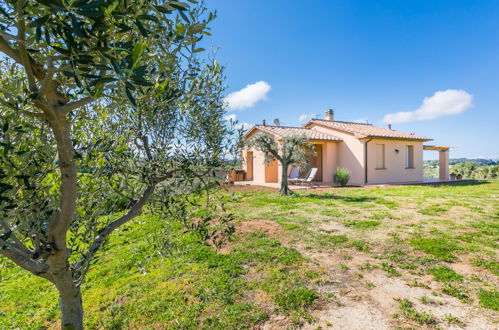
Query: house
[(373, 155)]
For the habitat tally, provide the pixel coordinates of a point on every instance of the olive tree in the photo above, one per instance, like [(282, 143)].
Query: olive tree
[(105, 106), (288, 150)]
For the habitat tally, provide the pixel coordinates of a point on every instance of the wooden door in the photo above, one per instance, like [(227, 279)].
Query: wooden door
[(271, 172), (316, 161), (249, 167)]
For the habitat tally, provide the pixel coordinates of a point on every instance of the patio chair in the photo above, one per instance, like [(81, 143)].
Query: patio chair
[(293, 175), (303, 176), (310, 177)]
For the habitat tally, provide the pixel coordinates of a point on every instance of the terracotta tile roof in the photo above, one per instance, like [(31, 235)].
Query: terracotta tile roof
[(283, 131), (367, 130)]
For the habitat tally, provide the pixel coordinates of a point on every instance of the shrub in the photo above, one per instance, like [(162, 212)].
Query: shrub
[(341, 176)]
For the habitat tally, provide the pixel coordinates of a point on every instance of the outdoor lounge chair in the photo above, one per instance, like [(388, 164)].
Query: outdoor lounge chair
[(310, 177), (293, 175)]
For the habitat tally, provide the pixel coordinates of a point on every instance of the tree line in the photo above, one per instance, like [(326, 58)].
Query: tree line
[(479, 169)]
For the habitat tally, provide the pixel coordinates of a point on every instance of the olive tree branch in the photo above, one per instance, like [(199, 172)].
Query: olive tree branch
[(37, 267), (23, 51), (7, 49), (11, 37), (64, 109), (26, 112), (59, 225), (81, 266), (14, 238)]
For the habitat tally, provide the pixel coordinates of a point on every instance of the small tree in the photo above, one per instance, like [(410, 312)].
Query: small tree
[(288, 150), (104, 108)]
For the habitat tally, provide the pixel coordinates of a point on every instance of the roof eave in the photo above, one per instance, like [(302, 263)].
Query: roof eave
[(250, 132), (422, 139)]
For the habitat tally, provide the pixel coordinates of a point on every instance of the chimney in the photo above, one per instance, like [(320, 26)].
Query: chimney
[(329, 114), (389, 126), (263, 123)]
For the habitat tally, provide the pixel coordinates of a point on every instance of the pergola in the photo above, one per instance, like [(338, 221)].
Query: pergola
[(443, 160)]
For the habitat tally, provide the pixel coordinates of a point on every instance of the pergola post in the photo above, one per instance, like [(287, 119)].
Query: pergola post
[(443, 164)]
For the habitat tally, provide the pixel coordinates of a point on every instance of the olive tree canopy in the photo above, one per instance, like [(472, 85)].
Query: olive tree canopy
[(104, 107)]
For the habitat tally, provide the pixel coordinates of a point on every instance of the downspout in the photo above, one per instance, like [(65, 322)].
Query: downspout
[(365, 158)]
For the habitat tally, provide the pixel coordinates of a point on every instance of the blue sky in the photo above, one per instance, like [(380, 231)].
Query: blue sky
[(367, 59)]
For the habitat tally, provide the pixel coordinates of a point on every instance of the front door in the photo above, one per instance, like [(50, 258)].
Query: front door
[(249, 168), (316, 161), (271, 172)]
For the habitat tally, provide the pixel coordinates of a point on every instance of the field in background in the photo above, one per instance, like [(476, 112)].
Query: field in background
[(412, 256)]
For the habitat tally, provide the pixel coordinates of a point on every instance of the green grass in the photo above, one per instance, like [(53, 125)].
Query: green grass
[(451, 319), (362, 224), (133, 287), (405, 231), (390, 269), (408, 311), (295, 299), (433, 210), (329, 240), (438, 247), (491, 265), (457, 292), (417, 284), (489, 299), (445, 274)]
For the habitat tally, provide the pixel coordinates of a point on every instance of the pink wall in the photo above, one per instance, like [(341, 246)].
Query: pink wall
[(349, 154), (395, 169), (258, 165)]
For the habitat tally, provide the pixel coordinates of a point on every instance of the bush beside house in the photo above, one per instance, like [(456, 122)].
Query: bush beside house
[(341, 176)]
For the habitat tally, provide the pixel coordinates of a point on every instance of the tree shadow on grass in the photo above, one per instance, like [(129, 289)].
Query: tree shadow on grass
[(347, 199), (465, 182)]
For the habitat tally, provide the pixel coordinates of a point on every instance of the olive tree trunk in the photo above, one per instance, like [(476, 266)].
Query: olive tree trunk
[(70, 301), (71, 308), (284, 180)]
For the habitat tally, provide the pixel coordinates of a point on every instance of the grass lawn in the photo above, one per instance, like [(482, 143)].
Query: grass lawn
[(412, 256)]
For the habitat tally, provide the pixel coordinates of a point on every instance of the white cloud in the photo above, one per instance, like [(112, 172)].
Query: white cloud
[(442, 103), (306, 117), (248, 96)]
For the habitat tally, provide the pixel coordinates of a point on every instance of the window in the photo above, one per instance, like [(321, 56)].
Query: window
[(409, 157), (380, 156)]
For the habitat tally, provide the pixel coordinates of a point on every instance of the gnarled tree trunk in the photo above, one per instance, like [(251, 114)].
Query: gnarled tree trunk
[(284, 180)]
